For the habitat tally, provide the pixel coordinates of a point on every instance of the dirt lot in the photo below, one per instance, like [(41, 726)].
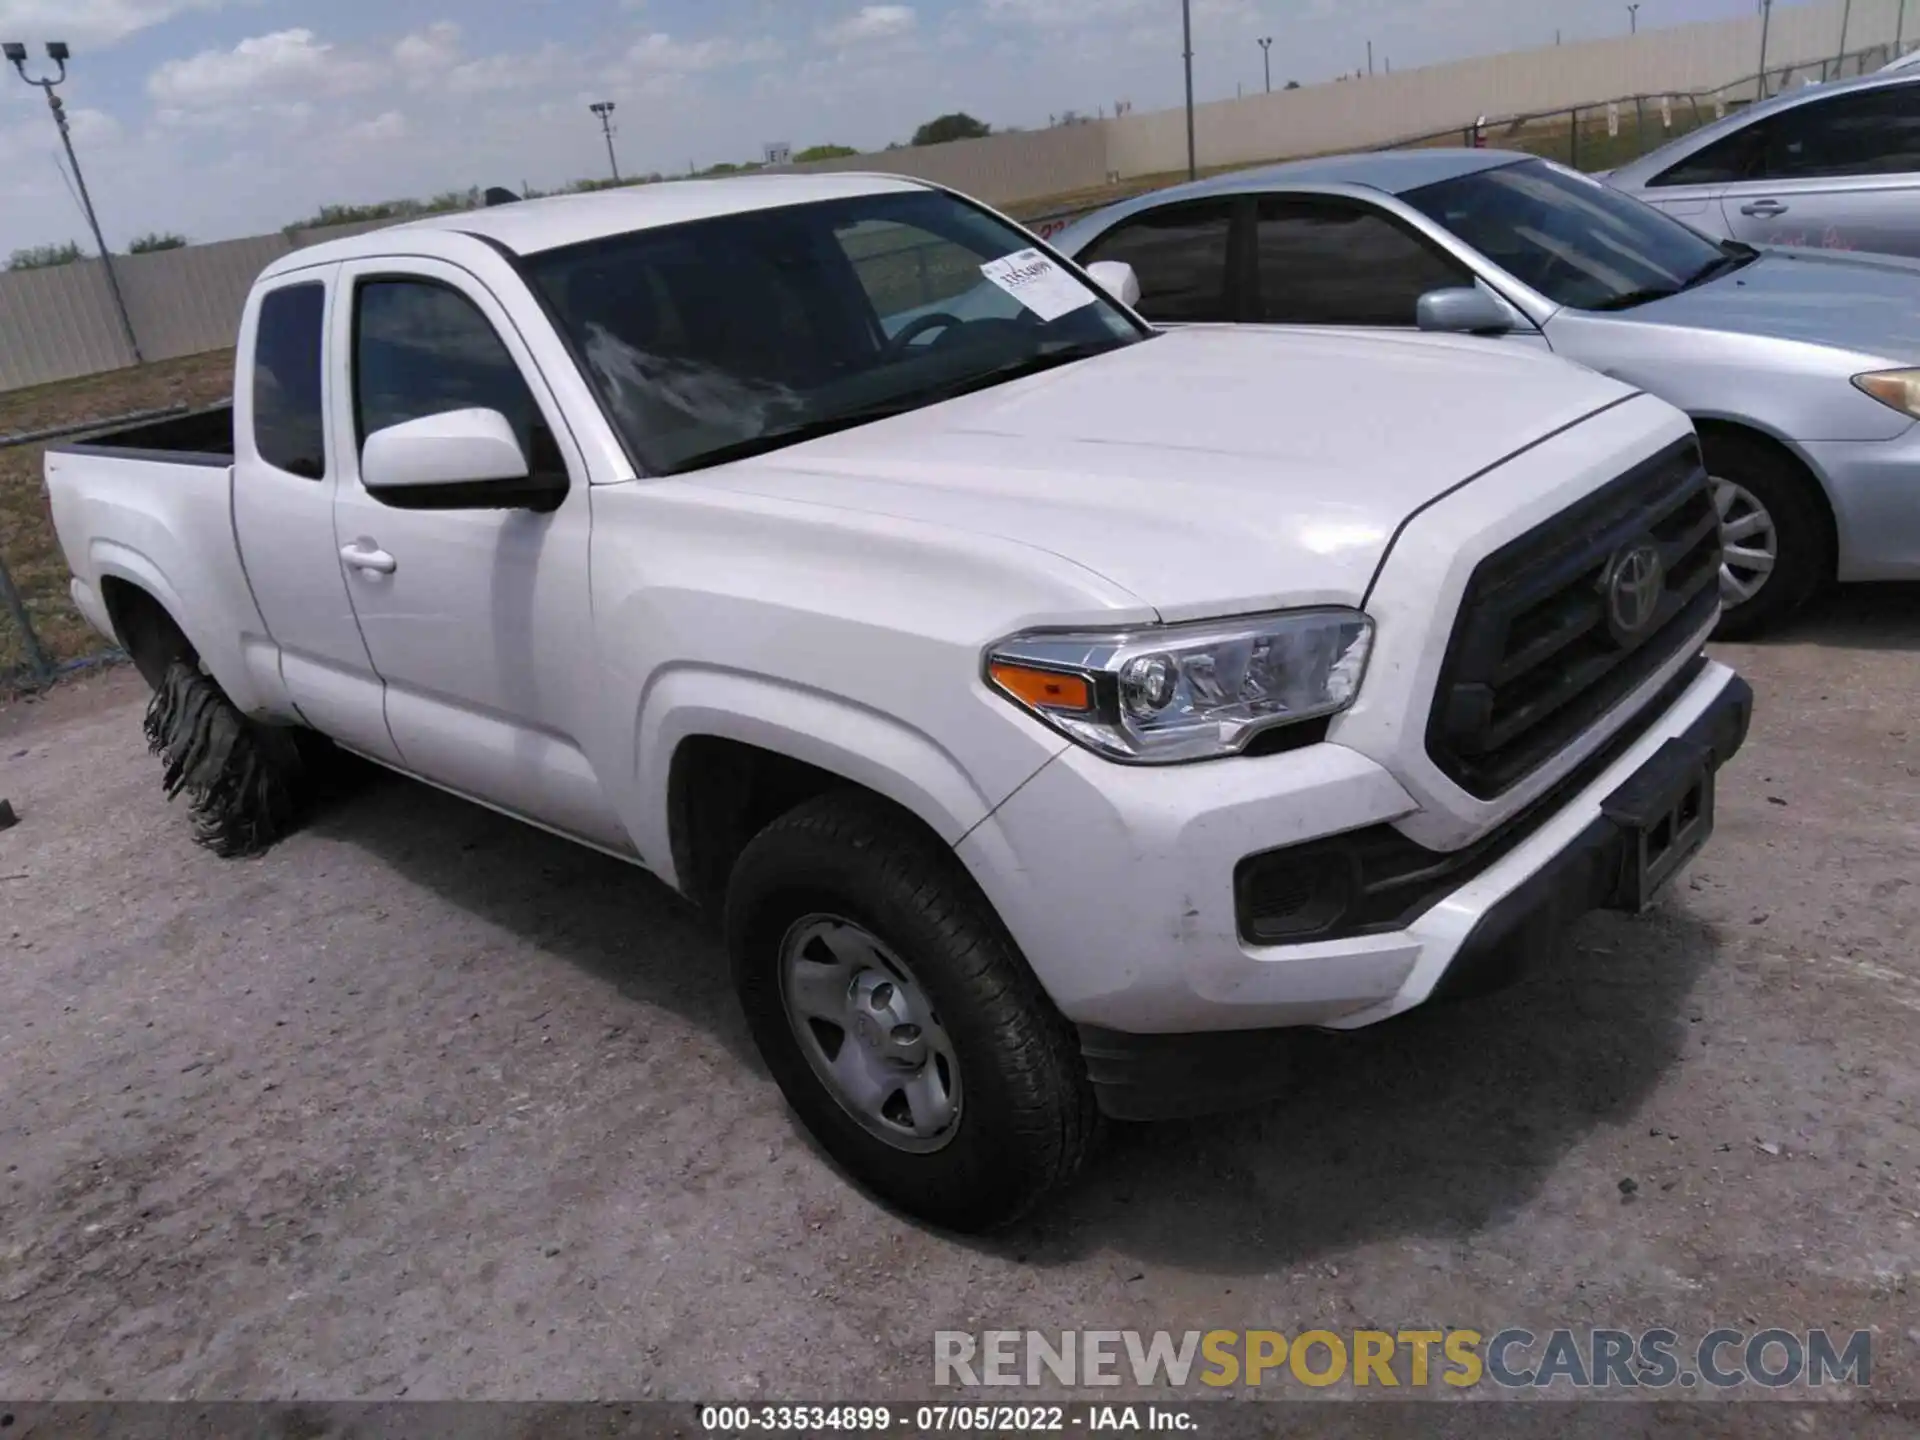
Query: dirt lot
[(426, 1103)]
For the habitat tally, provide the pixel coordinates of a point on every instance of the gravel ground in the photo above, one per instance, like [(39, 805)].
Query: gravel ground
[(425, 1103)]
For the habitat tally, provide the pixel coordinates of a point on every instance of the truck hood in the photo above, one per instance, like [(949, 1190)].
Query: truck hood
[(1868, 304), (1206, 469)]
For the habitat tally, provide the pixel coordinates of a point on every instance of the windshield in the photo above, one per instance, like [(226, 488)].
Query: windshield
[(720, 338), (1573, 239)]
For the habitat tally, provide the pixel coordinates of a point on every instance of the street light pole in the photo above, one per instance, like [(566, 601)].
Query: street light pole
[(1633, 19), (1186, 34), (1266, 58), (1766, 20), (1846, 14), (604, 109), (58, 53)]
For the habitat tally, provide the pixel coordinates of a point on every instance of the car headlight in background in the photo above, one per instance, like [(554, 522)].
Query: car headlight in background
[(1159, 694), (1897, 388)]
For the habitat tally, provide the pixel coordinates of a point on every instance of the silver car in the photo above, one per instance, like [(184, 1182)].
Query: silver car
[(1801, 368), (1835, 166)]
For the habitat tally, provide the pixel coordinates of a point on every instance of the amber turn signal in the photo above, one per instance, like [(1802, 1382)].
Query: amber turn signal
[(1043, 689)]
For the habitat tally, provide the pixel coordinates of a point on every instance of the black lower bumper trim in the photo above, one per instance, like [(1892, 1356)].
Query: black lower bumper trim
[(1160, 1077)]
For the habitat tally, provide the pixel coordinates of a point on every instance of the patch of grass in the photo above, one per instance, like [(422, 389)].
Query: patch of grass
[(27, 542)]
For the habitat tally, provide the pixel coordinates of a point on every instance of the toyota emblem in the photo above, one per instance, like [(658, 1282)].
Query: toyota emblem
[(1634, 583)]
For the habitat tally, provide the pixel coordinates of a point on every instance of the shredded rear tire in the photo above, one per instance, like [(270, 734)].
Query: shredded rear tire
[(247, 784)]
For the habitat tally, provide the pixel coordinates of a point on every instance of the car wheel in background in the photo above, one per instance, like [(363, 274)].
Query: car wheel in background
[(897, 1019), (1776, 539)]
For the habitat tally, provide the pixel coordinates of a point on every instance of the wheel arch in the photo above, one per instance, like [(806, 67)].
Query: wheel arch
[(733, 752), (1743, 431)]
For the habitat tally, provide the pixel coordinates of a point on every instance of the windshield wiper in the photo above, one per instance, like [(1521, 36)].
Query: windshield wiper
[(1732, 257), (795, 434), (1628, 299), (1016, 369), (899, 405)]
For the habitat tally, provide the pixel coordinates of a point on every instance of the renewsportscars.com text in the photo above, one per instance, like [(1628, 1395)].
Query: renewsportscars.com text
[(1512, 1358)]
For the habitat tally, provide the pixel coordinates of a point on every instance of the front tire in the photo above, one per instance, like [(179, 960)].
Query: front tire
[(897, 1019), (1777, 541)]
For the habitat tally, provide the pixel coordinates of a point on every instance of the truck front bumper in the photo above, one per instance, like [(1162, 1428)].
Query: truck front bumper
[(1121, 889)]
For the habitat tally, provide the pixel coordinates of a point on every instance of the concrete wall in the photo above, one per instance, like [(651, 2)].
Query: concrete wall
[(1378, 109), (55, 324), (999, 169)]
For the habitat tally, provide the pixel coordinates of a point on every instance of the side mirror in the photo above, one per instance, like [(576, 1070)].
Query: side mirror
[(1464, 310), (1116, 277), (458, 460)]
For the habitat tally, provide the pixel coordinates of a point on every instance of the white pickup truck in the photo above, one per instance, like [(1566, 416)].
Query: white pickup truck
[(1054, 711)]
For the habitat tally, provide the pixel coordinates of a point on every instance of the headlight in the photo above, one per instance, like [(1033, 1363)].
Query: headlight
[(1898, 388), (1186, 692)]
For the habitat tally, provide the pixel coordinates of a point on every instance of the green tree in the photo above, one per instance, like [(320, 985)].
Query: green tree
[(824, 152), (957, 126), (1291, 85), (157, 240), (44, 257)]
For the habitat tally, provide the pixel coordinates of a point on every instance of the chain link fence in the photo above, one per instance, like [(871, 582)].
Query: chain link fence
[(1609, 133)]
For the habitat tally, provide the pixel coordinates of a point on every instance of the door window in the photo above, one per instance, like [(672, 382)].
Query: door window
[(1332, 264), (422, 348), (1871, 132), (1868, 132), (289, 428), (1179, 254)]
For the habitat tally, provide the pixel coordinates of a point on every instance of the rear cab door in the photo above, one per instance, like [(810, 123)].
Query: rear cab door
[(286, 472)]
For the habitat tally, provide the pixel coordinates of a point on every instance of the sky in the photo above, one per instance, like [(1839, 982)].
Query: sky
[(220, 118)]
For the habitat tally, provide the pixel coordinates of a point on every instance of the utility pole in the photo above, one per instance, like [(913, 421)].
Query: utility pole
[(1186, 35), (59, 54), (1266, 59), (604, 109), (1900, 29), (1766, 20), (1633, 19), (1846, 14)]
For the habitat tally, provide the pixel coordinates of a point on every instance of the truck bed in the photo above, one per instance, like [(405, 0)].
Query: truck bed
[(199, 437)]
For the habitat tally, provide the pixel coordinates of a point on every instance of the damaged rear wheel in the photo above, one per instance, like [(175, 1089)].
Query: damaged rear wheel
[(247, 784)]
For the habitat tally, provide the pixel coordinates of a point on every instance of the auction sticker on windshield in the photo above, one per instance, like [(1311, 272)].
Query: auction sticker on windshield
[(1037, 283)]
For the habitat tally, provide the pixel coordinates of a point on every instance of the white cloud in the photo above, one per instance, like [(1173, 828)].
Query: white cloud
[(660, 53), (871, 22), (94, 22), (425, 51), (383, 128), (280, 66)]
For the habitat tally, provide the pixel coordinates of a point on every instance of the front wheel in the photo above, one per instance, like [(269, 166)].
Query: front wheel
[(897, 1020), (1776, 542)]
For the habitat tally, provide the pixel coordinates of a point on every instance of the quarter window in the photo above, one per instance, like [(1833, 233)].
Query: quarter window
[(289, 426)]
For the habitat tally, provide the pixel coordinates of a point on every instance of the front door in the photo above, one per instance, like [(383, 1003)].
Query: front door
[(479, 621), (1334, 262), (1840, 173)]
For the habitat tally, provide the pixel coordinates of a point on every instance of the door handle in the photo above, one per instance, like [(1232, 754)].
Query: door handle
[(1764, 209), (378, 561)]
